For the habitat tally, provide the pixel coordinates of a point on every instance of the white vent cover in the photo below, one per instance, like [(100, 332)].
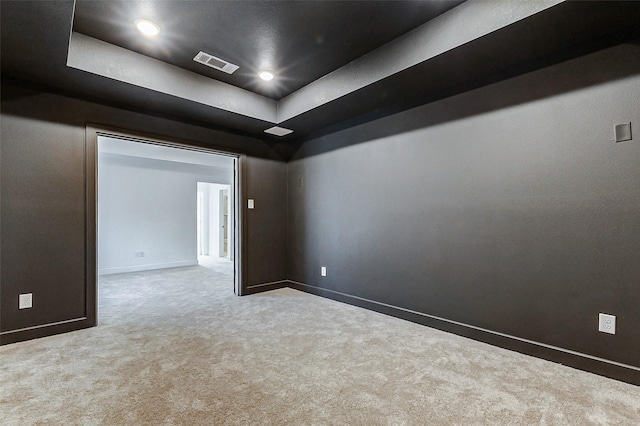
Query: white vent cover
[(278, 131), (217, 63)]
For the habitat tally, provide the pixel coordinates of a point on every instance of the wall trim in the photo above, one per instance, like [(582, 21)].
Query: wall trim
[(147, 267), (269, 283), (42, 325), (44, 330), (261, 288), (590, 363)]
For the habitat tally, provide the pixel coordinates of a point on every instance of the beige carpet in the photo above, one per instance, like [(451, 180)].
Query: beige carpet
[(176, 347)]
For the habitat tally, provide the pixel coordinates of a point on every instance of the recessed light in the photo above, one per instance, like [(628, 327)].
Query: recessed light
[(265, 75), (147, 27)]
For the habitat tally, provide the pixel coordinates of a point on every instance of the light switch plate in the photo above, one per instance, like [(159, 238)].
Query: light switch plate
[(607, 323), (250, 204), (623, 132), (323, 271)]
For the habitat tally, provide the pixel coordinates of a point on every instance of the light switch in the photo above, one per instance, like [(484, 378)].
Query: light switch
[(623, 132), (250, 204)]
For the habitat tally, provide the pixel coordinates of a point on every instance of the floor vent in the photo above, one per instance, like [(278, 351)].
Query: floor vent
[(217, 63)]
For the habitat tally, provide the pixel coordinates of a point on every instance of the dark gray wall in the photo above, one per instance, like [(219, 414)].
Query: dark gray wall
[(508, 208), (267, 222), (43, 200)]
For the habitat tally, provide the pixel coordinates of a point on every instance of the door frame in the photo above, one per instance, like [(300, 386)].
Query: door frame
[(91, 199)]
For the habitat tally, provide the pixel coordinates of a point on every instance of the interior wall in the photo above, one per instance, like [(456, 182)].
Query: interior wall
[(43, 203), (509, 209), (267, 186), (147, 212)]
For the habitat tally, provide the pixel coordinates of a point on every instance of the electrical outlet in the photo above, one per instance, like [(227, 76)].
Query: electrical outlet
[(623, 132), (251, 204), (139, 254), (323, 271), (25, 301), (607, 323)]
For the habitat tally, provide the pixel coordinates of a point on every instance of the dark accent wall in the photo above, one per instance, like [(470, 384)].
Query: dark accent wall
[(503, 211), (43, 209), (267, 222)]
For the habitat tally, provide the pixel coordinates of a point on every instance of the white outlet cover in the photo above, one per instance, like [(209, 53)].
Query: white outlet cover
[(25, 301), (623, 132), (250, 204), (607, 323), (323, 271)]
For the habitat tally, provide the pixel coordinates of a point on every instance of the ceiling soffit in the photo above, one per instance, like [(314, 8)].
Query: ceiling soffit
[(469, 46), (443, 34)]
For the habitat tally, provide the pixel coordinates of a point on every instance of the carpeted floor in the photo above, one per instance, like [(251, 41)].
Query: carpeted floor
[(176, 347)]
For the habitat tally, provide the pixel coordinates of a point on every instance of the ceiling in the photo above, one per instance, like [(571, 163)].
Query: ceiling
[(299, 41), (337, 63)]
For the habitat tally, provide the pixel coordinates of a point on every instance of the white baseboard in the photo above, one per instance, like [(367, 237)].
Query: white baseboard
[(148, 267)]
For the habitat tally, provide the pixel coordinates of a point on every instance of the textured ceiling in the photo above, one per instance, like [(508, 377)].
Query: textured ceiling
[(300, 41)]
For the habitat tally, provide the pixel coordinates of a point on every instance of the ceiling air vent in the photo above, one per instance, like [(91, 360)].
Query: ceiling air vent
[(217, 63), (278, 131)]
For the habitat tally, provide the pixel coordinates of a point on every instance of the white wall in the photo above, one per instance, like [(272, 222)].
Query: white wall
[(149, 205)]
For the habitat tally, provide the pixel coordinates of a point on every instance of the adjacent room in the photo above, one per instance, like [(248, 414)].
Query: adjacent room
[(324, 212), (162, 207)]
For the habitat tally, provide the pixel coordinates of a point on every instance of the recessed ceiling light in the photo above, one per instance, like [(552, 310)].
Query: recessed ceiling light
[(147, 27), (266, 75)]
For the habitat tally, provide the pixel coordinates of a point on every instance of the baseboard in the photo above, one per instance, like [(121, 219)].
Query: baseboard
[(147, 267), (612, 369), (44, 330), (260, 288)]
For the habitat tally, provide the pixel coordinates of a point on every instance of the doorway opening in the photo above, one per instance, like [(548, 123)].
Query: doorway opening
[(166, 207), (214, 240)]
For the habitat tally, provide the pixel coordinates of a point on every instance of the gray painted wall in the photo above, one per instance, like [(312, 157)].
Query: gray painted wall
[(267, 222), (507, 208), (43, 207)]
